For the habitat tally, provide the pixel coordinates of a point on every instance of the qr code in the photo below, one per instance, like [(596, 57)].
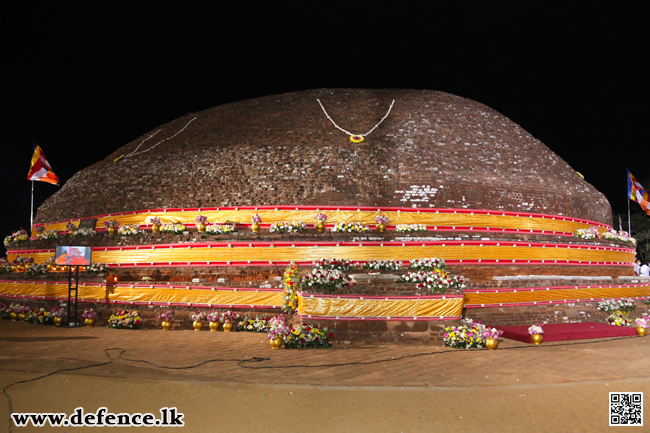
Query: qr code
[(625, 408)]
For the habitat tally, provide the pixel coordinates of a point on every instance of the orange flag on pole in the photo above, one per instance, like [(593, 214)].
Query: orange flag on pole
[(40, 169)]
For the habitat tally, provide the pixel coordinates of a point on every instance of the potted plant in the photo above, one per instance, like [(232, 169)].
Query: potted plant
[(198, 319), (278, 329), (491, 336), (213, 319), (642, 324), (256, 220), (166, 319), (201, 220), (155, 222), (71, 229), (122, 319), (535, 331), (58, 313), (90, 317), (111, 226), (228, 318), (320, 221), (382, 221)]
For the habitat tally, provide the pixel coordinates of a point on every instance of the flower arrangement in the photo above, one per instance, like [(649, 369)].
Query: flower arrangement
[(291, 281), (46, 235), (229, 317), (428, 264), (5, 266), (414, 277), (256, 219), (16, 238), (343, 265), (610, 305), (469, 335), (57, 311), (355, 227), (4, 311), (213, 316), (175, 228), (167, 316), (122, 319), (200, 316), (537, 328), (89, 314), (406, 228), (613, 235), (493, 333), (153, 220), (36, 269), (40, 317), (441, 282), (277, 328), (84, 233), (201, 219), (146, 278), (258, 324), (221, 229), (642, 322), (129, 230), (111, 223), (322, 280), (288, 227), (382, 219), (382, 265), (618, 318), (321, 217), (307, 336), (71, 228), (590, 233), (97, 268)]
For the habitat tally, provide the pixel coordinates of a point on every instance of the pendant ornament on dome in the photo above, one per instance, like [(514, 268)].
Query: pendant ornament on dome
[(356, 138)]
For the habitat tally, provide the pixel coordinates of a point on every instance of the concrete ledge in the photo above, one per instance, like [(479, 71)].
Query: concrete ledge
[(364, 278), (551, 277)]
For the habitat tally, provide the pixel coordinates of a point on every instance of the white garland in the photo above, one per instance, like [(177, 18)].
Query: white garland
[(161, 141), (348, 132)]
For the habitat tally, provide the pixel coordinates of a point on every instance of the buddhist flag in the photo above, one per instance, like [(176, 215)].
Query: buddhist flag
[(636, 192), (40, 169)]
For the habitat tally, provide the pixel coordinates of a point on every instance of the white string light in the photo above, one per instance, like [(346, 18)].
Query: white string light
[(168, 138), (350, 133)]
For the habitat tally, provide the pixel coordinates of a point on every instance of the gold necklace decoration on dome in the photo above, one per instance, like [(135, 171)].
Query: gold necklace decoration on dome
[(356, 138)]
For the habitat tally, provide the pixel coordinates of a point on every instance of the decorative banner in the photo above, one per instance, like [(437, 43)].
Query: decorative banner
[(142, 294), (280, 253), (435, 219), (353, 307), (552, 295)]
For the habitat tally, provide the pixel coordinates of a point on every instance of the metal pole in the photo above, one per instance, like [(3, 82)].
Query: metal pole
[(629, 219), (31, 214)]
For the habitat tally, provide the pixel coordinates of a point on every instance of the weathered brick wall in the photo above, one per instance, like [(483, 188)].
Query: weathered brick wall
[(433, 150)]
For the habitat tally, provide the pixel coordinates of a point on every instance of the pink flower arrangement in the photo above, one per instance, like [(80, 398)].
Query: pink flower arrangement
[(57, 312), (382, 219), (256, 219), (277, 328), (201, 219), (536, 329), (643, 322), (213, 316), (320, 217), (229, 317), (199, 316), (89, 314), (111, 223), (167, 316), (492, 333)]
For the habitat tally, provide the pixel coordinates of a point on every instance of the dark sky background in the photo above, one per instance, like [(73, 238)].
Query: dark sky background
[(85, 78)]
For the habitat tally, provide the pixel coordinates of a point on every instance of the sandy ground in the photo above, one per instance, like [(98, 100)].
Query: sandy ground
[(227, 407)]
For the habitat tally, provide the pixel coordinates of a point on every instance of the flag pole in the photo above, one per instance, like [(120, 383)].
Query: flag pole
[(31, 214), (627, 193)]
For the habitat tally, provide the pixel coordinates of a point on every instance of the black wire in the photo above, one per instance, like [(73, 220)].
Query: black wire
[(242, 363)]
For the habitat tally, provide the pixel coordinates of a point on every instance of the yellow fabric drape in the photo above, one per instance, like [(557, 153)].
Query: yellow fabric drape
[(385, 308), (267, 254), (147, 294), (526, 295), (335, 216)]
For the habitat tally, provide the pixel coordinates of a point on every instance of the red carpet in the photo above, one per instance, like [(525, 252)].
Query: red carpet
[(569, 331)]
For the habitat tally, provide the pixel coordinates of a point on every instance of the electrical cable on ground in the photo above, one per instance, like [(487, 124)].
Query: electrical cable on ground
[(255, 359)]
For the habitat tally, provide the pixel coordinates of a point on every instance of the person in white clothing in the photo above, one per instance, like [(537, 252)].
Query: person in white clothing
[(645, 270)]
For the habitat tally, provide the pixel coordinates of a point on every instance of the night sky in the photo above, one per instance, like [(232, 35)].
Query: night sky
[(85, 78)]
